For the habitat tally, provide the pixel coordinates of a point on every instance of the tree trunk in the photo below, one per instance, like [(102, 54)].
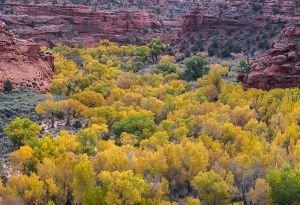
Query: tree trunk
[(52, 121), (244, 197), (68, 120)]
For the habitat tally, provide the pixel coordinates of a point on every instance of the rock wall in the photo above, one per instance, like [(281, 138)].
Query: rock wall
[(280, 66), (49, 24), (22, 64), (69, 24), (239, 14)]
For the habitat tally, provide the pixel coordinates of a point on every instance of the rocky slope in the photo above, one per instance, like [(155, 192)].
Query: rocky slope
[(22, 64), (238, 25), (239, 14), (280, 66)]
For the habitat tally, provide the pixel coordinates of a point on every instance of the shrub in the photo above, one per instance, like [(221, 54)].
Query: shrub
[(244, 67), (18, 103), (213, 48), (187, 53), (211, 51), (31, 24), (263, 44), (166, 68), (285, 186), (275, 10), (183, 46), (8, 87), (226, 52), (140, 125), (197, 66), (256, 7)]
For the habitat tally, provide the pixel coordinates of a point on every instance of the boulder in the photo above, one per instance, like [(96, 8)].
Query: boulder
[(279, 60), (280, 66)]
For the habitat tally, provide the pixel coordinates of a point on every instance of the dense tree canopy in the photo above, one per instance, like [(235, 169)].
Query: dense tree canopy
[(151, 138)]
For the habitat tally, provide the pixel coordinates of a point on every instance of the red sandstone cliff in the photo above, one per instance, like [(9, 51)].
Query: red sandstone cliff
[(76, 24), (280, 66), (69, 24), (21, 63)]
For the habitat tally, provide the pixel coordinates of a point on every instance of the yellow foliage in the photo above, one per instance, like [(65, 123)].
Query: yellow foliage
[(205, 134)]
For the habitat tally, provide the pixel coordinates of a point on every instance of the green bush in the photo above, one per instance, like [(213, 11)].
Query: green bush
[(285, 186), (187, 53), (213, 49), (275, 10), (256, 7), (88, 139), (196, 67), (140, 125), (166, 68), (226, 52), (244, 67), (7, 86), (263, 44)]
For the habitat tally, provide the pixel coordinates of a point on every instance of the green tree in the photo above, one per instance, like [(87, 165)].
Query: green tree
[(156, 48), (72, 109), (142, 53), (94, 196), (84, 179), (22, 131), (167, 65), (196, 67), (285, 186), (88, 140), (48, 109), (140, 125), (7, 86)]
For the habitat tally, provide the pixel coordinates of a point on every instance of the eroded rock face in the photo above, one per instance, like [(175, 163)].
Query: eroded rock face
[(22, 64), (49, 24), (239, 14), (280, 66), (69, 24)]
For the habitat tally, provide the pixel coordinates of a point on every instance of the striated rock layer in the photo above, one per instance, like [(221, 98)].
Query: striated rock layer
[(22, 64), (280, 66), (49, 24), (70, 24)]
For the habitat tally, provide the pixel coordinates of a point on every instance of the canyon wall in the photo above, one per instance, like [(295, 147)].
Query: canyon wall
[(69, 24), (22, 63), (172, 21)]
